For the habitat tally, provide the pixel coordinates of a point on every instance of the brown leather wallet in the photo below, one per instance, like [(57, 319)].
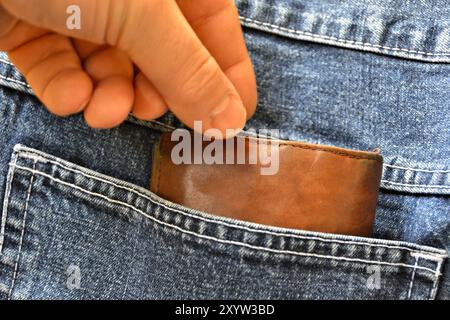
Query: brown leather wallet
[(316, 188)]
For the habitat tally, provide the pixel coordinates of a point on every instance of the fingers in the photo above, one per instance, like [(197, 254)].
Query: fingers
[(167, 51), (148, 103), (51, 66), (183, 71), (216, 23), (112, 73), (103, 61)]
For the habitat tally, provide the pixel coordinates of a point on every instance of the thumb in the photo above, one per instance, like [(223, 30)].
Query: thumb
[(160, 42)]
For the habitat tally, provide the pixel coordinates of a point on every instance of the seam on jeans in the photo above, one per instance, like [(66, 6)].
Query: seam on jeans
[(168, 126), (339, 40), (427, 256), (14, 80), (31, 156), (22, 234), (435, 283), (413, 275), (416, 185), (415, 169), (10, 179), (27, 154), (214, 239), (6, 62)]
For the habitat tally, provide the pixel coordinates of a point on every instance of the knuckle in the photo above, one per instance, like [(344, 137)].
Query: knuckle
[(114, 22), (123, 18), (200, 76)]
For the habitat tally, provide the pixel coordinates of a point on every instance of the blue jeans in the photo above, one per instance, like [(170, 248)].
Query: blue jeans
[(79, 222)]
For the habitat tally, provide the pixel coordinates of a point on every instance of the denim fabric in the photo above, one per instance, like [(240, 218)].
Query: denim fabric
[(358, 74)]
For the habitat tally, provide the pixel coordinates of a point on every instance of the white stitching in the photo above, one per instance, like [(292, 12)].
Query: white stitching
[(38, 158), (427, 256), (22, 234), (414, 169), (150, 123), (6, 203), (416, 185), (237, 243), (14, 80), (25, 154), (366, 44), (413, 275), (435, 283), (168, 126), (6, 61)]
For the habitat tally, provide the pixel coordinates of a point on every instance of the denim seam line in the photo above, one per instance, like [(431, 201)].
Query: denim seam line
[(435, 288), (27, 153), (22, 233), (14, 81), (32, 156), (415, 169), (6, 61), (6, 200), (416, 185), (413, 275), (339, 40), (435, 272)]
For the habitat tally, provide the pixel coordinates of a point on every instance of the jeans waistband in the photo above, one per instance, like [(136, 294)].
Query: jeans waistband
[(411, 29)]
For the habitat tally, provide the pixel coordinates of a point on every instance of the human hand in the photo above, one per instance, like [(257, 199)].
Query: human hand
[(139, 56)]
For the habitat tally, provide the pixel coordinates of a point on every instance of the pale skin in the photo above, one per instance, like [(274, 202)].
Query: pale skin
[(140, 56)]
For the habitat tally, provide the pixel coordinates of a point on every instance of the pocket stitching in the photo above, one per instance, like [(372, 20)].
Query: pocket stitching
[(33, 155), (237, 243), (22, 233), (413, 275), (434, 290), (6, 200), (324, 37)]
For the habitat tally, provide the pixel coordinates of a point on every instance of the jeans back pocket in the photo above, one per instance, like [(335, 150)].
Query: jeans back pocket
[(69, 232)]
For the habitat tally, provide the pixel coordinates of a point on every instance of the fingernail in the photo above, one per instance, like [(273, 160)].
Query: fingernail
[(229, 114)]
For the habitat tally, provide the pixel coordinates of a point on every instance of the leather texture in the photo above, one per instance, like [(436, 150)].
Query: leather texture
[(317, 188)]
